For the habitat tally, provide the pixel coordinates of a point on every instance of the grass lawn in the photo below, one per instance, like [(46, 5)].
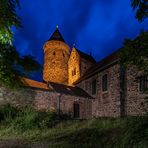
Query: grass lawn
[(30, 128), (95, 133)]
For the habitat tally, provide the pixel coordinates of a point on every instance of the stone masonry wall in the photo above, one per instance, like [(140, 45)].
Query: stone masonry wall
[(134, 97), (45, 100), (64, 103), (56, 56), (85, 65), (73, 63), (105, 104), (67, 103), (21, 97)]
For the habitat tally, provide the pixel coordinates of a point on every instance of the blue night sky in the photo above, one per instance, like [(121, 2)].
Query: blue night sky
[(95, 26)]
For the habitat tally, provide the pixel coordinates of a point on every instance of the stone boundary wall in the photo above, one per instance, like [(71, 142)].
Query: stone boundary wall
[(46, 100), (20, 97)]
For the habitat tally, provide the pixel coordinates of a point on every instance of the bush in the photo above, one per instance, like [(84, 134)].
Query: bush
[(137, 133), (8, 113), (65, 116), (25, 120), (28, 118), (46, 119)]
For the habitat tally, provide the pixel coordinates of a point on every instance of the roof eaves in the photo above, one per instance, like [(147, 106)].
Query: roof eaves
[(97, 71)]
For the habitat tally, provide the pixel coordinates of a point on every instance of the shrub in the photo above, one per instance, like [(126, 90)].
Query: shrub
[(137, 133), (27, 118), (8, 113), (64, 116), (46, 119)]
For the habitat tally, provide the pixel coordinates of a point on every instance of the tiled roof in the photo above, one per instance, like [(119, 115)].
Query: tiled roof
[(70, 90), (86, 56), (99, 66), (57, 36), (55, 87), (34, 84)]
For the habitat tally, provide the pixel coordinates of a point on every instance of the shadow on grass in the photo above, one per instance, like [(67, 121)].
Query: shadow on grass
[(90, 138)]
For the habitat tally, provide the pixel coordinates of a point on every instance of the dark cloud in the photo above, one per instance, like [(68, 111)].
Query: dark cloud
[(96, 26)]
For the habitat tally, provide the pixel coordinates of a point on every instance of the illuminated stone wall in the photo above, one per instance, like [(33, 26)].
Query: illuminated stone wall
[(105, 104), (56, 56), (79, 64), (73, 63)]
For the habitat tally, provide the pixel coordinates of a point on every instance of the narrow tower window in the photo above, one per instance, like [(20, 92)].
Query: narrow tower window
[(104, 83), (74, 72), (54, 53)]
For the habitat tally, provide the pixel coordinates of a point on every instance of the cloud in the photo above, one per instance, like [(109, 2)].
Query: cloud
[(95, 26)]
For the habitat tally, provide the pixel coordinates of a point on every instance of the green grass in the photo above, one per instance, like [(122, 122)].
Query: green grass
[(90, 133), (94, 133)]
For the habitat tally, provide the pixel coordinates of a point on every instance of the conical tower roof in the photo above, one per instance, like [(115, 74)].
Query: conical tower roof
[(57, 36)]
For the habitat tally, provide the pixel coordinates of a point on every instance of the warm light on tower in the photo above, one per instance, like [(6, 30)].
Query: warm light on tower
[(56, 56)]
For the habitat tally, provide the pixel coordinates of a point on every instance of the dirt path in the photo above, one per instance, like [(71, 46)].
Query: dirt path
[(21, 144)]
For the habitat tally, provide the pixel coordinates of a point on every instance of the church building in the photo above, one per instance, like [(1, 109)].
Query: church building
[(75, 84)]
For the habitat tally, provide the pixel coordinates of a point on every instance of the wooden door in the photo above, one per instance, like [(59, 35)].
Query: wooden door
[(76, 110)]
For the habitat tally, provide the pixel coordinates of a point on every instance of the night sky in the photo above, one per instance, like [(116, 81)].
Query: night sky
[(98, 27)]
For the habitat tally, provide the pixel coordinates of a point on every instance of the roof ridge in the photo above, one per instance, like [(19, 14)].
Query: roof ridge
[(86, 56), (106, 61)]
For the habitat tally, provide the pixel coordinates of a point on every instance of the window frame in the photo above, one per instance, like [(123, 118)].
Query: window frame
[(73, 72), (94, 87), (86, 85), (105, 82), (143, 83)]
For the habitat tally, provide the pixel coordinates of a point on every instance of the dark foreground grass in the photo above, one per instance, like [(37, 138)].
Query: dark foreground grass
[(95, 133), (107, 133)]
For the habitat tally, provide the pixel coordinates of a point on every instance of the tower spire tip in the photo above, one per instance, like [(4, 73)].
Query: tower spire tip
[(74, 45)]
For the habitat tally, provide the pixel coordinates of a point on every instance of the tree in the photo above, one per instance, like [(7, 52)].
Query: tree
[(8, 18), (12, 66), (135, 52), (141, 7)]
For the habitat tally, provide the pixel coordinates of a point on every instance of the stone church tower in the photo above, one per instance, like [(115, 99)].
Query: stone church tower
[(56, 56)]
